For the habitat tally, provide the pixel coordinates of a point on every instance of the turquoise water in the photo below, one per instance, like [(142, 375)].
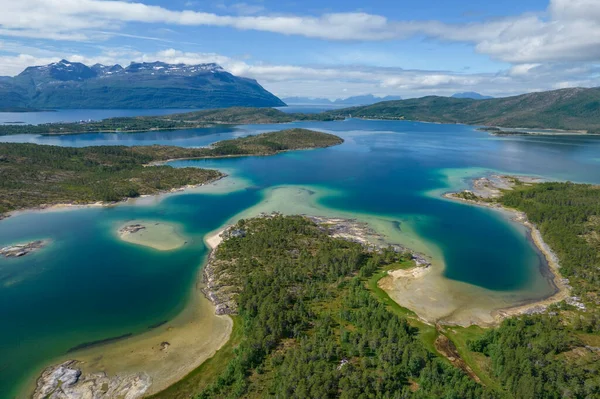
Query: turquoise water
[(87, 285)]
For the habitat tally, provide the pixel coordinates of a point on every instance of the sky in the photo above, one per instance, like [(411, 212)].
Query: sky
[(323, 48)]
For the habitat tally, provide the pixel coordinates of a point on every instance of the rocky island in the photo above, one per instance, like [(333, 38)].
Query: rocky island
[(18, 250)]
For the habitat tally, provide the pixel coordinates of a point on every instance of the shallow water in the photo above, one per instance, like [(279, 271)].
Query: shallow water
[(87, 285)]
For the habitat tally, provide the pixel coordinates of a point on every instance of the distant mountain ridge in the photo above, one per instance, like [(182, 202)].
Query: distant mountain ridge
[(565, 109), (472, 95), (66, 84), (355, 100)]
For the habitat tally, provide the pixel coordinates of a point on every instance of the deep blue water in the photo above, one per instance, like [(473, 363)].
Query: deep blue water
[(88, 285)]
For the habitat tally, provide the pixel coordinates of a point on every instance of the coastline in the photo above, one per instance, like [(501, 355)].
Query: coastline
[(151, 361), (102, 204), (551, 263)]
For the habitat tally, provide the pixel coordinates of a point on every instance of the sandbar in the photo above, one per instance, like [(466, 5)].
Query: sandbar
[(157, 235)]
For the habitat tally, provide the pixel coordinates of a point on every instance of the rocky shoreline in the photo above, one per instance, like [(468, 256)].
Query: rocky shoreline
[(18, 250), (66, 380), (219, 289), (484, 190)]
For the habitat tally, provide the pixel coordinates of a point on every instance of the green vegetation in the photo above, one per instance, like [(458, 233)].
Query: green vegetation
[(271, 143), (311, 327), (540, 357), (33, 175), (190, 120), (467, 195), (567, 109)]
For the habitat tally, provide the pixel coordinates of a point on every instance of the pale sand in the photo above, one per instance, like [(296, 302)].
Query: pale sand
[(213, 239), (193, 336), (438, 300), (158, 235)]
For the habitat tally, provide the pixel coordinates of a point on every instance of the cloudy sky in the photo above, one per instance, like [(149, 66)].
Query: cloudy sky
[(324, 48)]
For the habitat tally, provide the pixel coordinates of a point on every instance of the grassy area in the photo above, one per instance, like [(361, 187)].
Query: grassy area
[(480, 364)]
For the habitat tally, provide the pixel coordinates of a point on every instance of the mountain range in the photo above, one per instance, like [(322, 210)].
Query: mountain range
[(565, 109), (355, 100), (74, 85)]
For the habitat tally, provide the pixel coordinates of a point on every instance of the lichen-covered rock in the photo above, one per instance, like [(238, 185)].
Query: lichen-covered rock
[(66, 381)]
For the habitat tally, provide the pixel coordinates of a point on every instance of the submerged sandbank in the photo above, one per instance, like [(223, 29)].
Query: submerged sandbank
[(157, 235), (151, 361)]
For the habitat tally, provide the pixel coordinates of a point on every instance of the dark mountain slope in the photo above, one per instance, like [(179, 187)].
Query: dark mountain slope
[(141, 85)]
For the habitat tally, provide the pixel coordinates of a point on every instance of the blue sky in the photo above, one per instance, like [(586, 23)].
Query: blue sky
[(323, 48)]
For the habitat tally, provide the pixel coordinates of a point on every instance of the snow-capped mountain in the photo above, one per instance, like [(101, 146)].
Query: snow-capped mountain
[(66, 84)]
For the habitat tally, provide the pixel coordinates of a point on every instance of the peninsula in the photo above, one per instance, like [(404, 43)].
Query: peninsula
[(42, 176), (189, 120)]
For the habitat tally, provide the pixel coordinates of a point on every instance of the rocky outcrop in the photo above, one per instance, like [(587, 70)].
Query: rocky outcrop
[(360, 232), (18, 250), (66, 381), (218, 286), (131, 229)]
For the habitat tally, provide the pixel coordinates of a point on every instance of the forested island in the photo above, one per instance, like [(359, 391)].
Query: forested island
[(189, 120), (34, 175)]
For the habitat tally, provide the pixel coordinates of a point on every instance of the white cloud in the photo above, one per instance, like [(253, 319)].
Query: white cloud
[(568, 31)]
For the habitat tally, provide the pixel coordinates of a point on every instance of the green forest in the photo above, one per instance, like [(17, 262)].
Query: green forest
[(32, 175)]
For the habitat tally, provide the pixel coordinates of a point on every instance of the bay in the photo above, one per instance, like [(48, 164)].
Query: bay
[(87, 285)]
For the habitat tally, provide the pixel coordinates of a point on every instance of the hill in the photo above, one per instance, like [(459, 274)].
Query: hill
[(471, 94), (355, 100), (74, 85), (567, 109)]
